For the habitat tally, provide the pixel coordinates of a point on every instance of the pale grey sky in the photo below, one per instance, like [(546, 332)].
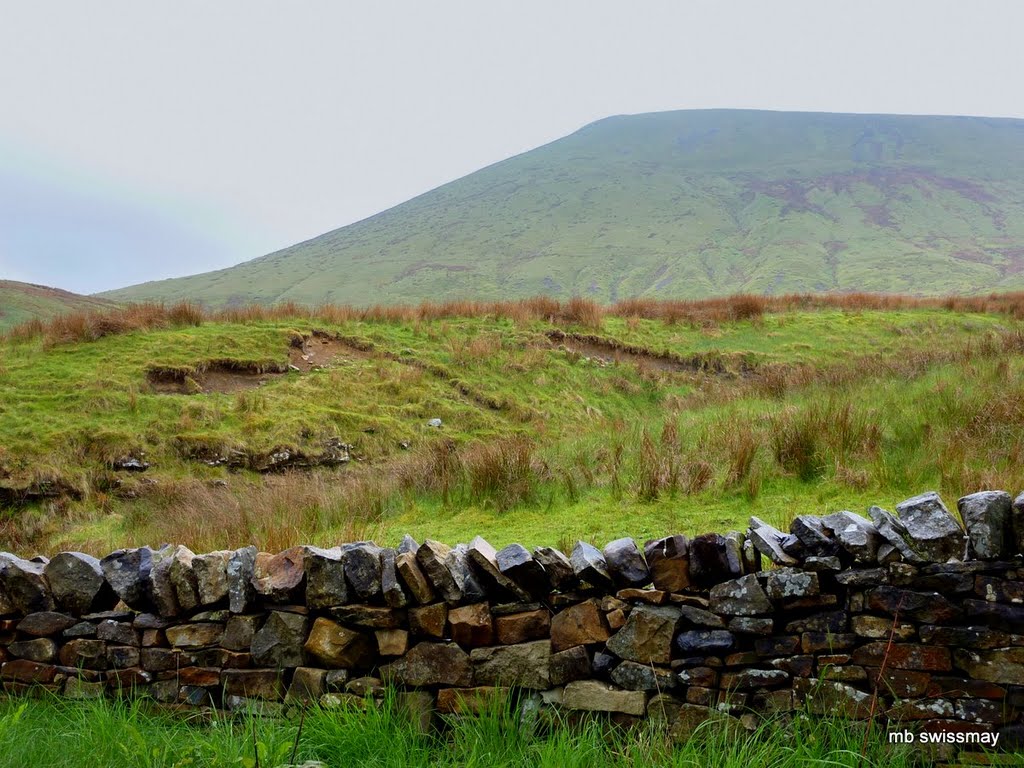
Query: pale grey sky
[(143, 139)]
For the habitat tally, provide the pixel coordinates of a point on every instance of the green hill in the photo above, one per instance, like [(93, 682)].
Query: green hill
[(20, 302), (680, 204)]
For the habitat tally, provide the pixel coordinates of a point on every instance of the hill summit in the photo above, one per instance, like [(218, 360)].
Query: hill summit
[(681, 204)]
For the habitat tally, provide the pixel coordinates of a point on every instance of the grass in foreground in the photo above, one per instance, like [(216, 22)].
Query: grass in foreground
[(106, 734)]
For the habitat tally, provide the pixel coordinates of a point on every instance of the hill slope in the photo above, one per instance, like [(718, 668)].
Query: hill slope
[(291, 427), (681, 204), (24, 301)]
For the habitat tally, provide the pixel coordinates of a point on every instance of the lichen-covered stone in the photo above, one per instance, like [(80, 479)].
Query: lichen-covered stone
[(933, 532), (325, 578), (988, 517), (469, 585), (754, 678), (1002, 665), (895, 534), (431, 664), (241, 566), (127, 571), (929, 658), (183, 579), (526, 665), (632, 676), (855, 534), (827, 642), (39, 649), (877, 628), (363, 569), (751, 625), (833, 698), (160, 590), (768, 540), (813, 534), (740, 597), (211, 572), (829, 621), (279, 642), (647, 635), (77, 584), (45, 623), (788, 583), (390, 586)]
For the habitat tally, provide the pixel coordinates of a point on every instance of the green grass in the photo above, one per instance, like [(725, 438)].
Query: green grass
[(542, 443), (679, 204), (107, 734)]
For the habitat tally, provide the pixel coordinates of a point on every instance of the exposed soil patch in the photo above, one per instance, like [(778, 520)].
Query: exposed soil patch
[(224, 376), (322, 350), (610, 351)]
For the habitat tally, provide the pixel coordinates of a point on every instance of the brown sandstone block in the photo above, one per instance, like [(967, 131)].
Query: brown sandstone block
[(428, 620), (523, 627), (580, 624), (253, 683), (471, 625), (927, 658)]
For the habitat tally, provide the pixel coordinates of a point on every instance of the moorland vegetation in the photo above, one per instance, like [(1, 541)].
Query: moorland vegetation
[(558, 420)]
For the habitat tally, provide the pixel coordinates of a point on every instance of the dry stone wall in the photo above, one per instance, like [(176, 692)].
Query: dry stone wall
[(909, 617)]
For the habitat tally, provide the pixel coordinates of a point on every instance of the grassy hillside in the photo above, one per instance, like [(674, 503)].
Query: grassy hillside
[(680, 204), (557, 421), (22, 302)]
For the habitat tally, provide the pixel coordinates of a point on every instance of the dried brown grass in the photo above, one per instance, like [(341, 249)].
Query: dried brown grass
[(586, 313)]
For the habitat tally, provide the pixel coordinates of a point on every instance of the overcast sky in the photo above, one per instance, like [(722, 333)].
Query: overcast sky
[(143, 139)]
